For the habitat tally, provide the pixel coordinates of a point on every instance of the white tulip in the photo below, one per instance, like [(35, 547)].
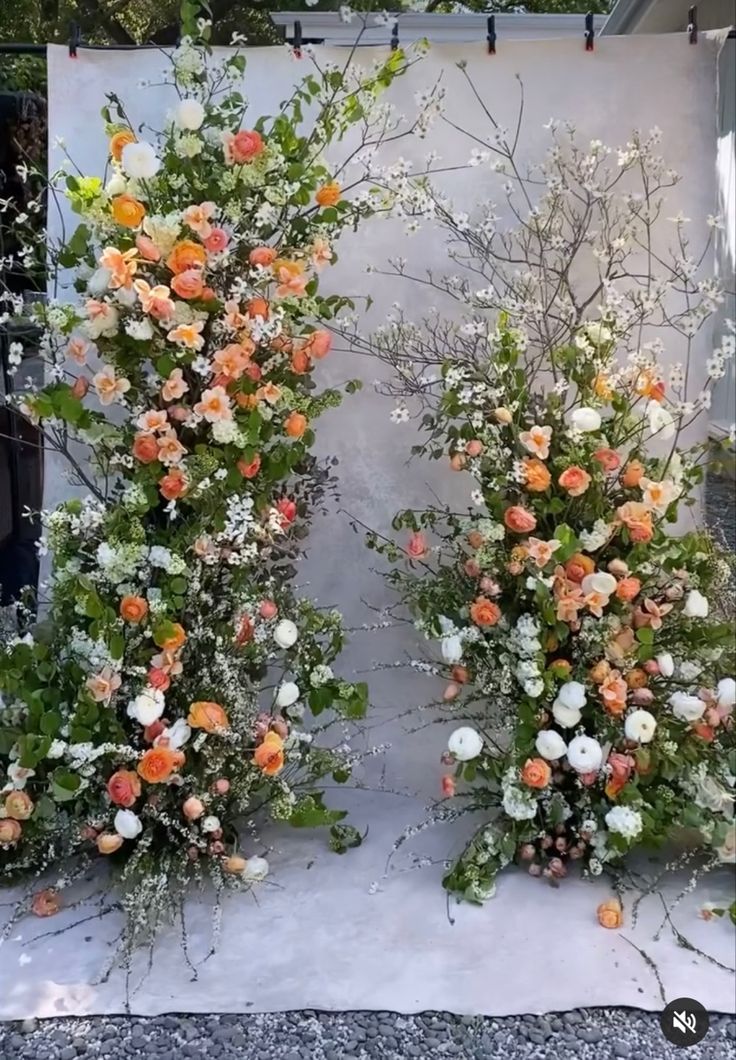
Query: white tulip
[(686, 707), (640, 726), (465, 743), (255, 869), (572, 694), (600, 582), (661, 422), (139, 160), (585, 754), (567, 717), (147, 707), (666, 664), (286, 634), (189, 114), (287, 694), (696, 605), (726, 692), (585, 419), (550, 745), (128, 824), (452, 648)]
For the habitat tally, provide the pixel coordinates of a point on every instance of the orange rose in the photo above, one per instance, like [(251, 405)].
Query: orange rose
[(536, 476), (608, 459), (574, 480), (45, 903), (118, 141), (484, 612), (319, 344), (519, 520), (170, 638), (328, 194), (632, 474), (262, 256), (613, 692), (145, 448), (244, 146), (127, 211), (10, 830), (536, 773), (610, 914), (578, 567), (107, 843), (18, 805), (188, 284), (185, 255), (123, 787), (133, 608), (158, 764), (295, 425), (627, 589), (621, 769), (257, 307), (269, 755), (173, 485), (249, 469), (636, 678), (207, 716), (637, 519), (300, 362)]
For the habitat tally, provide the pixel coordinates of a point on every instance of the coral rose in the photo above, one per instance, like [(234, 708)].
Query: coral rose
[(417, 546), (536, 773), (108, 843), (621, 767), (610, 914), (300, 362), (269, 755), (295, 425), (118, 141), (608, 459), (249, 468), (328, 194), (158, 764), (637, 519), (632, 474), (216, 241), (185, 255), (45, 903), (613, 691), (244, 146), (257, 307), (319, 344), (127, 211), (124, 787), (574, 481), (263, 256), (188, 284), (171, 637), (145, 448), (536, 476), (627, 589), (18, 805), (519, 520), (173, 485), (133, 608), (10, 831), (208, 716), (484, 612), (578, 567)]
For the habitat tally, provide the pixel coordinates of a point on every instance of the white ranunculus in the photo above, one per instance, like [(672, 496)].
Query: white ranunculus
[(660, 421), (465, 743), (666, 664), (550, 745), (140, 161), (255, 869), (624, 821), (585, 754), (99, 281), (147, 707), (686, 707), (726, 692), (696, 605), (116, 185), (585, 419), (211, 823), (452, 648), (567, 717), (600, 582), (287, 694), (177, 734), (286, 634), (189, 114), (127, 824), (572, 694), (640, 726)]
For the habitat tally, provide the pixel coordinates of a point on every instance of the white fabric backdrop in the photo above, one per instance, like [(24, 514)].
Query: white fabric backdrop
[(341, 933)]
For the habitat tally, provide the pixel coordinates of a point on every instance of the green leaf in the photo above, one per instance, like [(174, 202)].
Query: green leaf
[(50, 723), (310, 812), (117, 645), (344, 837), (64, 785), (179, 585)]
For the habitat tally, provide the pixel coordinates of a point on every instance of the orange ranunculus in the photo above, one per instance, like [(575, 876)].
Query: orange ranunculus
[(257, 307), (608, 459), (19, 805), (173, 485), (295, 425), (124, 787), (628, 588), (269, 755), (185, 255), (578, 567), (170, 637), (621, 769), (519, 520), (207, 716), (118, 141), (188, 284), (133, 608), (536, 773), (328, 194), (536, 476), (637, 519), (484, 612), (109, 842), (127, 211), (249, 469), (610, 914), (145, 448), (263, 256), (574, 481), (632, 474), (10, 831), (158, 764), (613, 692)]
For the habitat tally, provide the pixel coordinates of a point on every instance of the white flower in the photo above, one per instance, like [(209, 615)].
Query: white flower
[(727, 851), (128, 824), (286, 634), (572, 694), (139, 160), (666, 664), (177, 735), (211, 823), (710, 795), (116, 185), (625, 821), (452, 648), (147, 707), (585, 754), (686, 707), (726, 692), (661, 422), (585, 419), (99, 281), (256, 869), (640, 726), (600, 582), (567, 717), (519, 805), (550, 745), (696, 605), (189, 114), (287, 694), (141, 330), (18, 775), (598, 333), (465, 743)]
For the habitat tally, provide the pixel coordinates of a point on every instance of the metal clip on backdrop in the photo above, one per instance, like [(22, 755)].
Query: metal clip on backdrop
[(297, 42), (692, 28), (589, 32), (491, 38)]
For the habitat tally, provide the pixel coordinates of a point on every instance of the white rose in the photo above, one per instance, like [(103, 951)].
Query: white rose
[(465, 743), (726, 692), (572, 694), (211, 824), (116, 185), (660, 421), (189, 114), (139, 160), (255, 869), (686, 707), (625, 821), (452, 648), (585, 419), (696, 605), (287, 694), (286, 634), (567, 717), (600, 582), (585, 754), (640, 726), (666, 664), (147, 707), (128, 824), (550, 745)]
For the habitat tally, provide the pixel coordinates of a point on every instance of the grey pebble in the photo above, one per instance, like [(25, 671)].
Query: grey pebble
[(622, 1049), (591, 1035), (68, 1053)]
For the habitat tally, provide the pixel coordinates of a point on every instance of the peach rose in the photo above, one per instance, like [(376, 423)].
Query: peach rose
[(484, 612), (124, 787), (295, 424), (536, 476), (45, 903), (578, 567), (173, 485), (632, 474), (269, 755), (610, 914), (574, 481), (242, 147), (300, 362), (208, 716), (216, 241), (417, 546), (621, 769), (234, 865), (536, 773), (519, 520), (127, 211), (145, 448), (627, 589), (185, 255), (637, 519), (10, 831), (118, 141), (613, 692), (319, 344), (192, 808), (147, 248), (108, 843), (600, 672), (249, 469), (608, 459), (257, 307), (18, 805), (328, 194), (133, 608), (474, 447), (263, 256), (170, 638), (158, 764), (188, 284)]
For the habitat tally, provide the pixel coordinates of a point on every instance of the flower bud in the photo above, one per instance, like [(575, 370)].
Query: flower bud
[(502, 415), (192, 808), (451, 692), (234, 865)]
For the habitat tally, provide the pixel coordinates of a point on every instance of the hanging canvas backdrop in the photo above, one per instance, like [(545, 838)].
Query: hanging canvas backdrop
[(379, 934)]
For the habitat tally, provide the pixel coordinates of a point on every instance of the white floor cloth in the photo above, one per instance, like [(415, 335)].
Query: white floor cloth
[(333, 932)]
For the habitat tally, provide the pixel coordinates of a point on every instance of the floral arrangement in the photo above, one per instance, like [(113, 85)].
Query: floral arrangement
[(163, 696)]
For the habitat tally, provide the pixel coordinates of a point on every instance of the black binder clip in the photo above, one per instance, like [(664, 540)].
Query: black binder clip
[(692, 24), (297, 40), (75, 39), (589, 32), (491, 37), (395, 36)]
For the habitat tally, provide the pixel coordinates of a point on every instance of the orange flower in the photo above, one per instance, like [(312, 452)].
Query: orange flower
[(207, 716), (145, 448), (608, 459), (170, 449), (170, 638), (621, 769), (295, 425), (269, 755), (118, 141), (613, 693), (536, 773), (578, 567), (158, 764), (215, 405), (536, 476), (628, 588), (133, 608), (632, 474), (300, 362), (637, 518), (243, 146), (648, 385), (291, 277), (121, 265), (484, 612), (108, 843), (318, 344), (257, 307), (188, 335), (535, 440), (185, 255), (173, 485), (270, 393), (10, 830), (263, 256), (519, 520), (127, 211), (610, 914), (155, 300), (249, 469), (328, 194), (123, 787), (232, 360), (188, 284), (602, 387), (574, 480), (636, 678)]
